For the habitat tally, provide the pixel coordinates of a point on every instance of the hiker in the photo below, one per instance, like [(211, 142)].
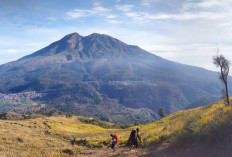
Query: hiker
[(114, 141), (133, 139), (85, 141), (73, 141)]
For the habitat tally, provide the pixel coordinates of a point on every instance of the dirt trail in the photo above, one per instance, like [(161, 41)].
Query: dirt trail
[(164, 150), (123, 151), (220, 149), (107, 152)]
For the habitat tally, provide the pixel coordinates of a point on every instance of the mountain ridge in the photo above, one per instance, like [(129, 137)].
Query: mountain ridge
[(72, 40)]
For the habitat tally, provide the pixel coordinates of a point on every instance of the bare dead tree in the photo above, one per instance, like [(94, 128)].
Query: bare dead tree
[(224, 65)]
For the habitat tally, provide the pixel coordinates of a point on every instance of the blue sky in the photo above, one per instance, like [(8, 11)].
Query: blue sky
[(186, 31)]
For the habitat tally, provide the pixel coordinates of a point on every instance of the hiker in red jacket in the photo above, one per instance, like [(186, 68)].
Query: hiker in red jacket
[(114, 141)]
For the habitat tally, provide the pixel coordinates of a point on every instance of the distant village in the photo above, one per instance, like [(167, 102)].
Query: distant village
[(20, 96)]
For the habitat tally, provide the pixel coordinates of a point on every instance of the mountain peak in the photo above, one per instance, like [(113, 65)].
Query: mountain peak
[(93, 45), (73, 37), (98, 35), (75, 34), (103, 37)]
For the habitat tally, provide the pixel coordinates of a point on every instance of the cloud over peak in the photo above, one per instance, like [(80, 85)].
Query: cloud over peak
[(125, 7), (96, 10)]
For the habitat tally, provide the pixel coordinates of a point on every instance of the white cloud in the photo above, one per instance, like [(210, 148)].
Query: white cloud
[(100, 10), (111, 16), (203, 10), (96, 10), (12, 51), (125, 7), (78, 13), (113, 21), (226, 25), (199, 15), (207, 4), (147, 17)]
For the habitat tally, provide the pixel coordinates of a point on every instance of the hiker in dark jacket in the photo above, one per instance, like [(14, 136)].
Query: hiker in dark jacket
[(134, 137), (74, 141), (85, 141)]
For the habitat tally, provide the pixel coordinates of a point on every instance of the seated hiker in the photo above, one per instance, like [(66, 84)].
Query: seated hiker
[(73, 141), (114, 141), (134, 137), (85, 141)]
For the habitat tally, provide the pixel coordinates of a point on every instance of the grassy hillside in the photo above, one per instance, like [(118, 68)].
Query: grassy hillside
[(51, 136)]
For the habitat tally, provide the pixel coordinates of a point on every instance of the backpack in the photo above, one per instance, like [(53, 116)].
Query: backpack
[(133, 135), (116, 137)]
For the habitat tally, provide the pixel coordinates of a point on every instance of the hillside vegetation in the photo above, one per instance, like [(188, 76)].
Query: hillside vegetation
[(51, 136)]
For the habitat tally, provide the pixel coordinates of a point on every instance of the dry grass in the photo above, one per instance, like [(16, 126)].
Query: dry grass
[(51, 136)]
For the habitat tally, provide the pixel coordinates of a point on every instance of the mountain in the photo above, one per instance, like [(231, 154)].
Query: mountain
[(100, 76)]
